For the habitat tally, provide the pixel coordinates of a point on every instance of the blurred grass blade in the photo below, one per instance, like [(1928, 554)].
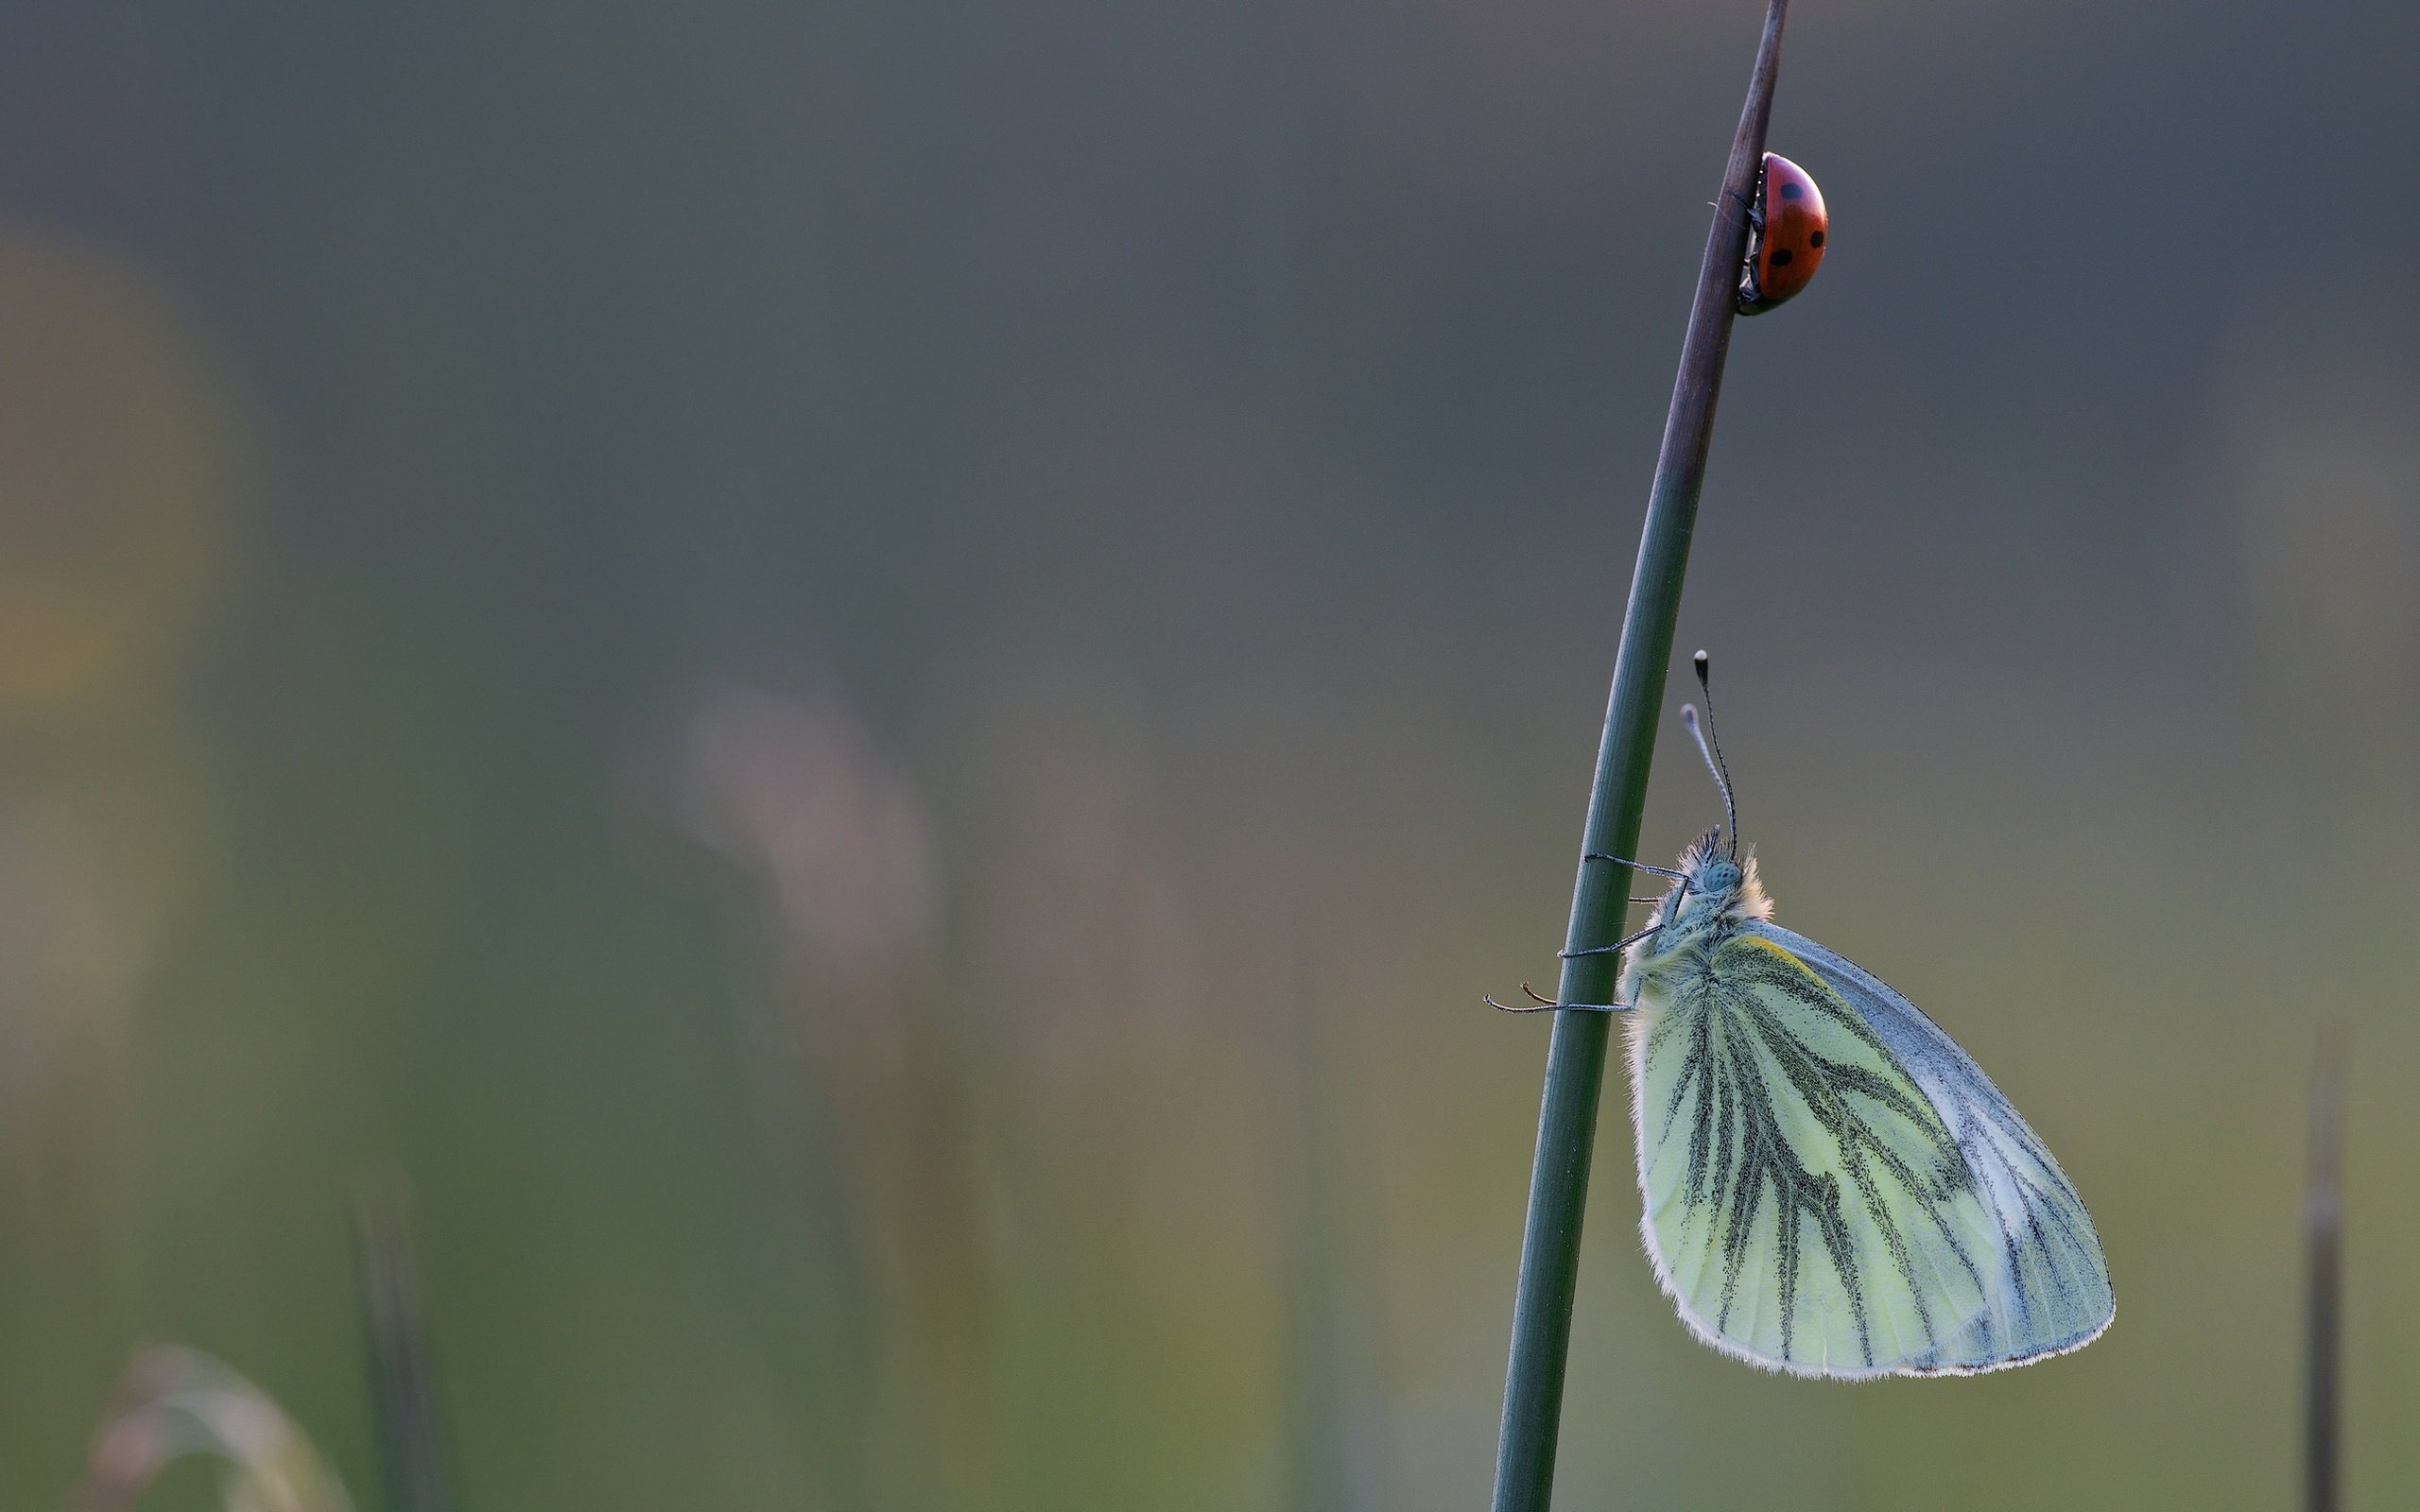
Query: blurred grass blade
[(410, 1442), (2323, 1267), (1576, 1055), (177, 1401), (1325, 1277)]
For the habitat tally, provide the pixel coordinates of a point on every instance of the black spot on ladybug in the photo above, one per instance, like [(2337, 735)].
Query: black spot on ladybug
[(1781, 257), (1793, 190), (1815, 239)]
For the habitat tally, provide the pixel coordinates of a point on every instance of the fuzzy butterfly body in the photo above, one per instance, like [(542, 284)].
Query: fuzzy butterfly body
[(1831, 1187)]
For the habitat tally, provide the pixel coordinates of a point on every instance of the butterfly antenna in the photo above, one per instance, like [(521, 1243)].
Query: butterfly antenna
[(1712, 750)]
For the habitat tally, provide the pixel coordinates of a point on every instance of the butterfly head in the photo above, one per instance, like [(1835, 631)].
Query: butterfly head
[(1717, 892), (1718, 883), (1715, 879)]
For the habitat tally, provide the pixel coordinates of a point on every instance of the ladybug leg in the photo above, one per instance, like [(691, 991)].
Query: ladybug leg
[(1755, 222)]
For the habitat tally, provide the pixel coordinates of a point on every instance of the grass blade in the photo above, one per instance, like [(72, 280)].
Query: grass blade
[(410, 1440), (2324, 1275), (177, 1401), (1576, 1056)]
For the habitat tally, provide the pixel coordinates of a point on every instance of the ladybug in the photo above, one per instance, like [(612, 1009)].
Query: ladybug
[(1790, 223)]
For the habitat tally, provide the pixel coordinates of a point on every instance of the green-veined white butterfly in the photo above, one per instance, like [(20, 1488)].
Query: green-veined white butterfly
[(1831, 1187)]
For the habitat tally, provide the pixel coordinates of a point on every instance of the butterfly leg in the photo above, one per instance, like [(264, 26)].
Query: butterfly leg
[(1542, 1003), (1636, 865), (1624, 943)]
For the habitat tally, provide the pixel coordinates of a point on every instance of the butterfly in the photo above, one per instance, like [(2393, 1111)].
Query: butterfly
[(1831, 1187)]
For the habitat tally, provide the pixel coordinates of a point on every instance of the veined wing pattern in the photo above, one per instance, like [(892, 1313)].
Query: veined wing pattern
[(1833, 1188)]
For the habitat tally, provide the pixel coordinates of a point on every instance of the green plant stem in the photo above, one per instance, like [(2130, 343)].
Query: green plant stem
[(1576, 1056)]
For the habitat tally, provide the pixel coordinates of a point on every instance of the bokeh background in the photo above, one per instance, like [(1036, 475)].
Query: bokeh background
[(873, 684)]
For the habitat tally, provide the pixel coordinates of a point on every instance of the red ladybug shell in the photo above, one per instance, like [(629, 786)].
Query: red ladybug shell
[(1791, 247)]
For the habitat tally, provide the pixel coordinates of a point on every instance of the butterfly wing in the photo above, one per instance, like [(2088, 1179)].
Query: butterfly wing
[(2050, 1291), (1833, 1188)]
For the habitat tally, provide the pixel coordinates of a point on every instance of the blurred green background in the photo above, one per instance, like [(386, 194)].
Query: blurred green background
[(877, 682)]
